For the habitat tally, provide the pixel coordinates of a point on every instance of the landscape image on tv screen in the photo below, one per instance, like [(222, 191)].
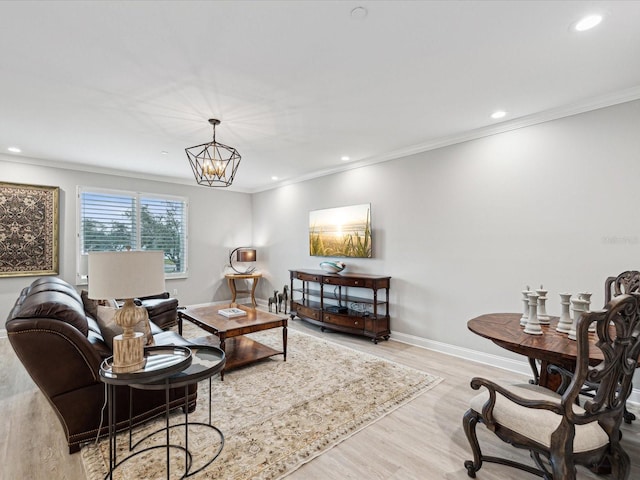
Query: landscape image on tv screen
[(341, 232)]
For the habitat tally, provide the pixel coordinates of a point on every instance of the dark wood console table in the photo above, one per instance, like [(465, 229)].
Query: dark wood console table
[(550, 348), (329, 300)]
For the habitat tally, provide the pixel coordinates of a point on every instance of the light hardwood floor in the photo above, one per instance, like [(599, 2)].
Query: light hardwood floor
[(420, 440)]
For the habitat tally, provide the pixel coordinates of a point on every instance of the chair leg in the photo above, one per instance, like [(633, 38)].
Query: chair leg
[(563, 467), (469, 422), (627, 415), (620, 462)]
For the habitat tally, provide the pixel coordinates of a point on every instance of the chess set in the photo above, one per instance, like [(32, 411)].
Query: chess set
[(535, 311)]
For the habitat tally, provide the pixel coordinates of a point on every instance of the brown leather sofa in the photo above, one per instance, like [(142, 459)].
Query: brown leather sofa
[(61, 347)]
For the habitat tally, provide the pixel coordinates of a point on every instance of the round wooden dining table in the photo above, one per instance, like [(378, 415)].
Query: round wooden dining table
[(550, 348)]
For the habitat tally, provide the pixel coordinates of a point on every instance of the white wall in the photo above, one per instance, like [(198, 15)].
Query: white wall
[(218, 222), (462, 229)]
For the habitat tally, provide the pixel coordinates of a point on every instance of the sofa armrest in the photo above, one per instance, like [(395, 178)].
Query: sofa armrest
[(72, 362)]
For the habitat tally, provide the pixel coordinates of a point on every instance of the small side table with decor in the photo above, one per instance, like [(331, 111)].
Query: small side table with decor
[(232, 277), (166, 367)]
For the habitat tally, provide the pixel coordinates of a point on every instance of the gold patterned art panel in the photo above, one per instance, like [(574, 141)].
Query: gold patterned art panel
[(28, 230)]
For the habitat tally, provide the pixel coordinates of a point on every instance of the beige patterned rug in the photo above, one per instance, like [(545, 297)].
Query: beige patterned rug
[(275, 415)]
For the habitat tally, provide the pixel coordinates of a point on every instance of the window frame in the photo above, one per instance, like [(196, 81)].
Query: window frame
[(82, 258)]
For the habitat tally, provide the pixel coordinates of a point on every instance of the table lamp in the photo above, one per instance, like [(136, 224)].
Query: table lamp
[(245, 254), (126, 275)]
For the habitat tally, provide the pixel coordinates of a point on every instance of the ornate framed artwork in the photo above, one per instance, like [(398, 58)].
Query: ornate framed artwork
[(28, 230), (341, 232)]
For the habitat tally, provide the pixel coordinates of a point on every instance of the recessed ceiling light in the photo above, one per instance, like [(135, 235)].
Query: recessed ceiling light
[(164, 152), (359, 13), (587, 23), (14, 149), (498, 114), (345, 158), (274, 178)]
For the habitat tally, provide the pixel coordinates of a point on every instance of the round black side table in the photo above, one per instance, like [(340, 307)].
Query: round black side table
[(166, 368)]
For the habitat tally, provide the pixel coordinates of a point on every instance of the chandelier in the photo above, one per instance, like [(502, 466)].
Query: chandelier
[(213, 164)]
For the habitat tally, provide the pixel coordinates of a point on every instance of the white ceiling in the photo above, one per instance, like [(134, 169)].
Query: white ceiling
[(297, 85)]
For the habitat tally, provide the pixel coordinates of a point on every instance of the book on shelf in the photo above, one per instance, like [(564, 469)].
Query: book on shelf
[(232, 312)]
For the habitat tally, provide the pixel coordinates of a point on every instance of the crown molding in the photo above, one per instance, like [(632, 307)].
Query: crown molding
[(587, 105), (583, 106)]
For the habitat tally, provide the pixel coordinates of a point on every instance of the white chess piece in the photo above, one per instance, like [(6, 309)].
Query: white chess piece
[(587, 298), (525, 300), (578, 306), (533, 326), (565, 322), (543, 318)]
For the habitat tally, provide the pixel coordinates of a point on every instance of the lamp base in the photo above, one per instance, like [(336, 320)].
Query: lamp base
[(128, 353)]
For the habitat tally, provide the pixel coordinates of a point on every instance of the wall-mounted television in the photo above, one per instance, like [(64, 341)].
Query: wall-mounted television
[(341, 232)]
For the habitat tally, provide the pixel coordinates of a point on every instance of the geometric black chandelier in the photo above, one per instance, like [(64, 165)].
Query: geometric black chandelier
[(213, 164)]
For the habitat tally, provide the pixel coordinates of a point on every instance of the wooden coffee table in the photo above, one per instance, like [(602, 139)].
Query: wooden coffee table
[(230, 332)]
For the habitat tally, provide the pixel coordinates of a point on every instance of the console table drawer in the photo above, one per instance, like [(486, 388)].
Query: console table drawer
[(349, 282), (307, 312), (308, 277), (343, 321)]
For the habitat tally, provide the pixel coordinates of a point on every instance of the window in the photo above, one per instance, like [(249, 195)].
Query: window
[(111, 220)]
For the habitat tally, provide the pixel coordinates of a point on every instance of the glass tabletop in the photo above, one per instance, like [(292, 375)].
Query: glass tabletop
[(206, 362), (160, 362)]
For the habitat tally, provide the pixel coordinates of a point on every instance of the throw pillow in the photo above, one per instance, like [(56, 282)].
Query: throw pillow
[(91, 306), (109, 328)]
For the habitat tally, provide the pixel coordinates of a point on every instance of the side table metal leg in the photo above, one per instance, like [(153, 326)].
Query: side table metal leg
[(166, 400), (130, 419), (110, 400), (186, 430)]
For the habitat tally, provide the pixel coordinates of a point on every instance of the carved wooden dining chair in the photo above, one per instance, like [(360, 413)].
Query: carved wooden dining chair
[(626, 282), (558, 432)]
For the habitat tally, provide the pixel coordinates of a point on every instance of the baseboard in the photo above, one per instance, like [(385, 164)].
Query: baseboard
[(504, 363)]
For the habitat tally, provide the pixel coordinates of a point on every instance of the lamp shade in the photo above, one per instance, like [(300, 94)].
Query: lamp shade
[(246, 255), (125, 274)]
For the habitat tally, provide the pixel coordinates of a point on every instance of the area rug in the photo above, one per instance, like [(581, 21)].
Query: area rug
[(275, 415)]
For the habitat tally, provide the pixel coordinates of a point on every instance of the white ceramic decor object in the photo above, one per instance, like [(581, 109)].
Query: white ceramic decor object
[(587, 298), (533, 326), (565, 321), (543, 318), (332, 267), (578, 307), (525, 301)]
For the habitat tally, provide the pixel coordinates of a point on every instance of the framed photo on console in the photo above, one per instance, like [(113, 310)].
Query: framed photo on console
[(28, 230)]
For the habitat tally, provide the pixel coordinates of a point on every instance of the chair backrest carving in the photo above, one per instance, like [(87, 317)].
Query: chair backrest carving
[(618, 332), (626, 282)]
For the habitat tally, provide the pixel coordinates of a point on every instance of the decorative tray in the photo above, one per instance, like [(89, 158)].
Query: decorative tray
[(160, 362)]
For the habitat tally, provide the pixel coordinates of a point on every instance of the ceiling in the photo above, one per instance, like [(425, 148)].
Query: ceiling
[(109, 86)]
